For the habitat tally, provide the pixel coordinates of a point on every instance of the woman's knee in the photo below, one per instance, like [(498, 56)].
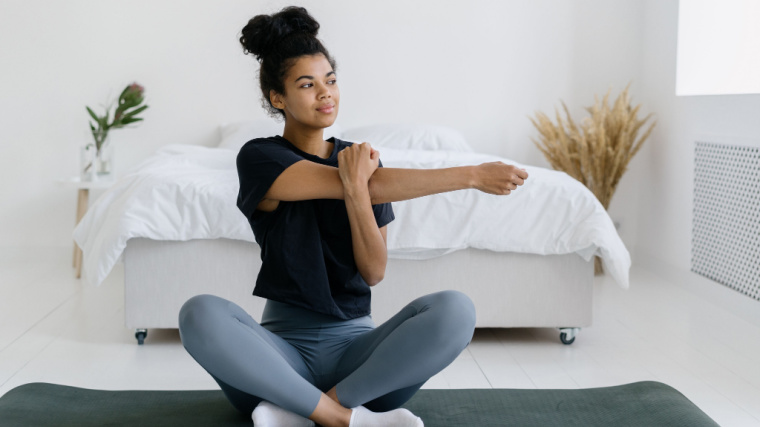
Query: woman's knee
[(197, 307), (458, 305), (201, 317), (456, 312)]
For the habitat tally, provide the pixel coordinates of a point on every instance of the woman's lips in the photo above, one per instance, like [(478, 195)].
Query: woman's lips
[(327, 109)]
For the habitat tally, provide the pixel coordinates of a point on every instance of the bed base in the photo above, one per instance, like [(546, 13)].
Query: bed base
[(508, 289)]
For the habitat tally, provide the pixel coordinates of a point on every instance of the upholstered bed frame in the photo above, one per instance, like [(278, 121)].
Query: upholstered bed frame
[(509, 289)]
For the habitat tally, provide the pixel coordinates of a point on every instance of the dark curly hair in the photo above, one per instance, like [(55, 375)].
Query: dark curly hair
[(277, 41)]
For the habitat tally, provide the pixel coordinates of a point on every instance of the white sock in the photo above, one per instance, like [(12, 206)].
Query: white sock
[(267, 414), (401, 417)]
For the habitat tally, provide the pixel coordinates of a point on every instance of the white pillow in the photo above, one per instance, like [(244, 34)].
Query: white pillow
[(235, 134), (409, 136)]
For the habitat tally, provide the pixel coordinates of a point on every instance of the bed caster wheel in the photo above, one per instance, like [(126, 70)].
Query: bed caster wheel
[(567, 335), (565, 340), (140, 334)]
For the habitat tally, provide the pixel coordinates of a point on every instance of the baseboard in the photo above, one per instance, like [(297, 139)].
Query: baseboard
[(735, 302)]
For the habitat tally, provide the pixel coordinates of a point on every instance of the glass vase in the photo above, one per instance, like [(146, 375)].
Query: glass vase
[(104, 161), (96, 162), (87, 156)]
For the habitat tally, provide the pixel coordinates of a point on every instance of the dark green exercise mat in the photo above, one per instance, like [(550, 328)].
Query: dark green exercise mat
[(646, 403)]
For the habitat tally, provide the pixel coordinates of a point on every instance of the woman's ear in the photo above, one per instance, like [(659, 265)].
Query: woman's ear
[(276, 99)]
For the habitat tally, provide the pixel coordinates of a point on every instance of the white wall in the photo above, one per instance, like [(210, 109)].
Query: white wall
[(481, 67), (666, 204)]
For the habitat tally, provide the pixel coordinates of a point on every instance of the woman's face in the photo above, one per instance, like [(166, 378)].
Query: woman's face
[(311, 95)]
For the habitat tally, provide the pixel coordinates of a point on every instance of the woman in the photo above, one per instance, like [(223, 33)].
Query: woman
[(319, 209)]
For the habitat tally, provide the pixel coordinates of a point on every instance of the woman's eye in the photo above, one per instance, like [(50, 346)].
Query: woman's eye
[(333, 81)]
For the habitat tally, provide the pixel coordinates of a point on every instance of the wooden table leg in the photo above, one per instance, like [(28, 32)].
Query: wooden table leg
[(82, 203)]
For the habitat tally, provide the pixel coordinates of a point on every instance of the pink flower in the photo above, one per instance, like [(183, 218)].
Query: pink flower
[(136, 88)]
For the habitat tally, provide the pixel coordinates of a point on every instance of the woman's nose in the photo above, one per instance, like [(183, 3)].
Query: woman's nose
[(324, 92)]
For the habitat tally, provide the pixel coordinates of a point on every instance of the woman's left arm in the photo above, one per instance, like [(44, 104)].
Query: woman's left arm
[(355, 165), (369, 241)]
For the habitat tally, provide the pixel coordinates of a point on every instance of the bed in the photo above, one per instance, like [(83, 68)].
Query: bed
[(526, 260)]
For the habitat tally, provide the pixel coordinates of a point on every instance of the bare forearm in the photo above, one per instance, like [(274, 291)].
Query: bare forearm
[(370, 253), (396, 184)]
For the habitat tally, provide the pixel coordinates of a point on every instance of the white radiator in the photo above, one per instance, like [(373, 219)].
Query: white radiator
[(726, 221)]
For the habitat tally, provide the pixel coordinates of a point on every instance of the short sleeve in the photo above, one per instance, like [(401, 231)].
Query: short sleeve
[(383, 211), (258, 165)]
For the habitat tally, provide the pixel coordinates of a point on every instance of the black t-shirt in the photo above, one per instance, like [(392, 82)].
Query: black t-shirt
[(306, 249)]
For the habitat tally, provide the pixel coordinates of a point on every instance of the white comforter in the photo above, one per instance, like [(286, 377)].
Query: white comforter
[(185, 192)]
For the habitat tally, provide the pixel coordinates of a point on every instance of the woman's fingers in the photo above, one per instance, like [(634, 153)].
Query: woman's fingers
[(520, 175), (359, 162), (500, 178), (364, 146), (374, 155)]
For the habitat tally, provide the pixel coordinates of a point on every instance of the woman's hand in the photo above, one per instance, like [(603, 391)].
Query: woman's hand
[(357, 163), (498, 177)]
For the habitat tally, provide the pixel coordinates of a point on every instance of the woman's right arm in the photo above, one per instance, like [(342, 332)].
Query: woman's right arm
[(305, 180), (394, 184)]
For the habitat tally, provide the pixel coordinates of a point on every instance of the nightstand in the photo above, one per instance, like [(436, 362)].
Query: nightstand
[(82, 205)]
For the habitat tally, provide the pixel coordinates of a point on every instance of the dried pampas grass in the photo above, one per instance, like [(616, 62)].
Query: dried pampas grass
[(597, 151)]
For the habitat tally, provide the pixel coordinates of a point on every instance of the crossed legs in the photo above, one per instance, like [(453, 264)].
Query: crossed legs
[(380, 369)]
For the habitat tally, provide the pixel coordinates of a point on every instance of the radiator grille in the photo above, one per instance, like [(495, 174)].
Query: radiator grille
[(726, 226)]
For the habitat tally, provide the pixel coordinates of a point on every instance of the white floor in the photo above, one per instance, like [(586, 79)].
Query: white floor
[(55, 329)]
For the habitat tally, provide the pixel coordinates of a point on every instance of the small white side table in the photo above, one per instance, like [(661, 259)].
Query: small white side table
[(83, 198)]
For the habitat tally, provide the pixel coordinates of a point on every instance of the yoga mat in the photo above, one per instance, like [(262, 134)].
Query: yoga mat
[(646, 403)]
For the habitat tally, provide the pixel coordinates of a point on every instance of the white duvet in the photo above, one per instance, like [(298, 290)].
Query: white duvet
[(185, 192)]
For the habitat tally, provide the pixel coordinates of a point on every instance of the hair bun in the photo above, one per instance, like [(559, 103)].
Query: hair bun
[(263, 32)]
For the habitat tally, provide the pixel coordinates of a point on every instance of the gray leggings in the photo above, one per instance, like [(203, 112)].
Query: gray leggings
[(295, 354)]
